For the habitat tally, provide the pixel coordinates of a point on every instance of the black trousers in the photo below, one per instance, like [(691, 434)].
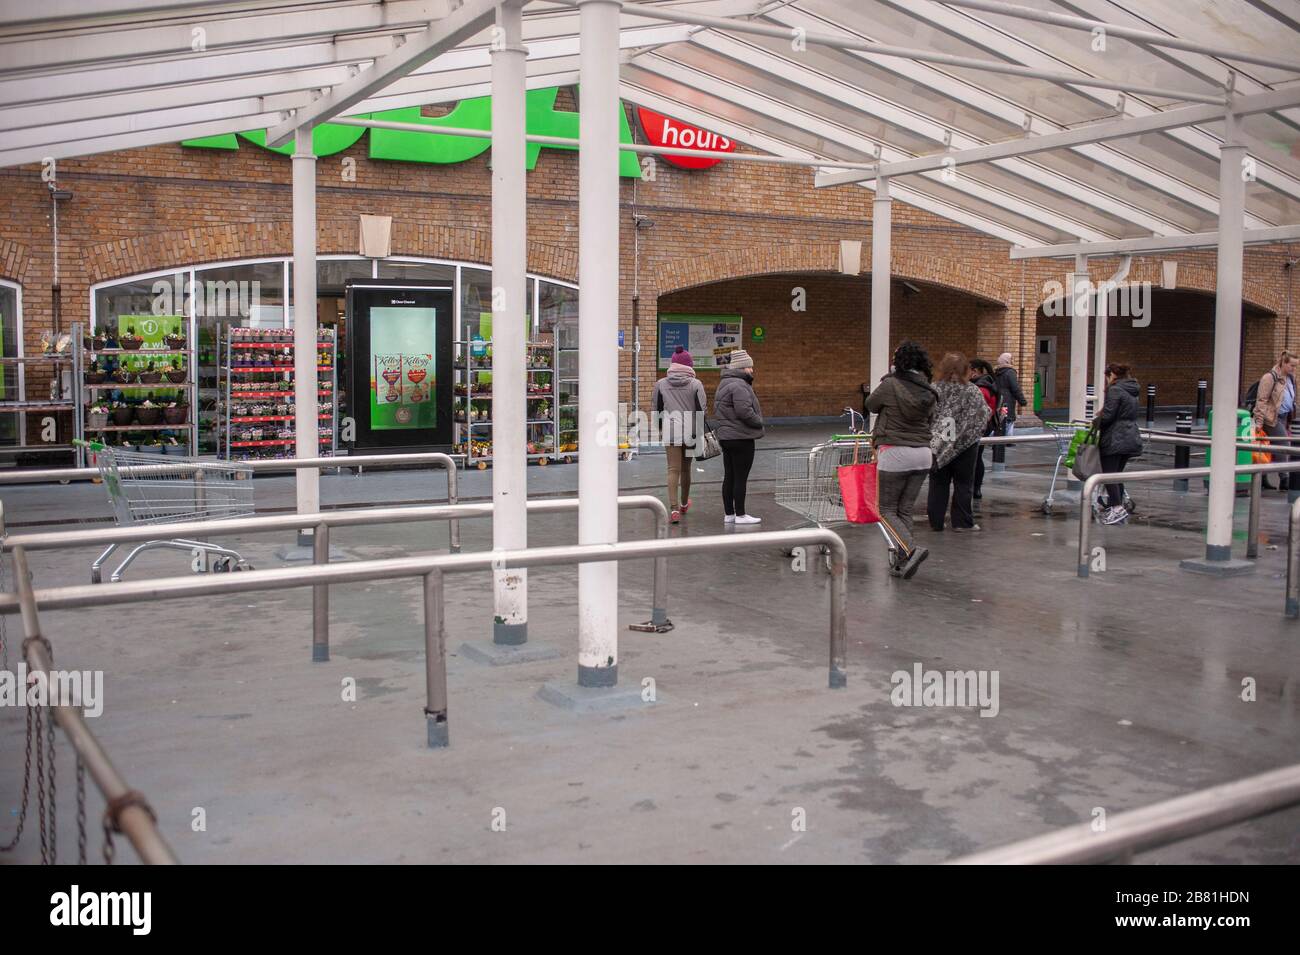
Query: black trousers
[(1111, 463), (956, 479), (737, 459), (979, 468)]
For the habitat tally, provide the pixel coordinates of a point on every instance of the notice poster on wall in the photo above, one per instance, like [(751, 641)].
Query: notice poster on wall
[(402, 376), (709, 338)]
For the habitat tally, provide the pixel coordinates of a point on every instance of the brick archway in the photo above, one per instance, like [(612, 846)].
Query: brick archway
[(690, 271), (182, 248)]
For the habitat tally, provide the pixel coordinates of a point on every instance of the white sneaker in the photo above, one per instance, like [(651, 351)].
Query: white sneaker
[(748, 519), (729, 518)]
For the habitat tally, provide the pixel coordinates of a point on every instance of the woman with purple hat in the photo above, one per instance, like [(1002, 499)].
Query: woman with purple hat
[(678, 397)]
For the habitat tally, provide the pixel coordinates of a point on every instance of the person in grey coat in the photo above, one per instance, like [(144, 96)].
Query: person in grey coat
[(678, 399), (739, 425), (1120, 439)]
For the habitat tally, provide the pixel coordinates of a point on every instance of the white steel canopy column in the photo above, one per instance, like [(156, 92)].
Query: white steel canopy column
[(509, 335), (1080, 299), (305, 377), (598, 161), (881, 223), (1227, 342)]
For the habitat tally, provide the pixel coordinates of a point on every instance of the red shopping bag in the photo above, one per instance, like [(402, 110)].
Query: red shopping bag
[(859, 489)]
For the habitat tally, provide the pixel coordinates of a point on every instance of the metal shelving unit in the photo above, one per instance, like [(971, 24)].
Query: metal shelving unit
[(252, 422), (466, 371), (69, 399), (185, 389)]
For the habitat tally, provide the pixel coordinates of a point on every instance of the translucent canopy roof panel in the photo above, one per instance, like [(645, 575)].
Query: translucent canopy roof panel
[(805, 79)]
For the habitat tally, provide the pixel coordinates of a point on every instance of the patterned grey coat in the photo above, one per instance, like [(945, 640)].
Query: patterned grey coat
[(960, 419)]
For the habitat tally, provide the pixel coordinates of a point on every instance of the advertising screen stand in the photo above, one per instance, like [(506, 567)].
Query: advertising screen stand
[(399, 365)]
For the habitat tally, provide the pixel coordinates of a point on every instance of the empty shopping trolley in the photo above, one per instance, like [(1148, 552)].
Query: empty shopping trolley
[(155, 489)]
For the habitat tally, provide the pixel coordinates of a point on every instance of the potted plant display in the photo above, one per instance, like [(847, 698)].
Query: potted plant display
[(152, 446), (123, 414), (150, 376), (174, 342), (148, 413), (172, 446), (174, 373), (131, 341), (120, 375), (97, 417), (94, 375), (176, 413), (98, 342)]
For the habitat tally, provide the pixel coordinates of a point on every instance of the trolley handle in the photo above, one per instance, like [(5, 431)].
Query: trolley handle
[(853, 416)]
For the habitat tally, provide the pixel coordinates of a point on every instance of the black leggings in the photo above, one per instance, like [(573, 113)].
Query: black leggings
[(1111, 463), (737, 459)]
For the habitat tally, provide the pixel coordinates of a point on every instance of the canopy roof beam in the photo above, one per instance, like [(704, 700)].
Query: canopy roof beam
[(1158, 243), (441, 35)]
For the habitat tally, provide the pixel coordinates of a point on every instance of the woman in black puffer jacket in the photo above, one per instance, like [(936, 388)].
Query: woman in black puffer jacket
[(1120, 440)]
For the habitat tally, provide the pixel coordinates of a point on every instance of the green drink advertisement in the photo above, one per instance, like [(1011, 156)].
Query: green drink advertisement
[(402, 371)]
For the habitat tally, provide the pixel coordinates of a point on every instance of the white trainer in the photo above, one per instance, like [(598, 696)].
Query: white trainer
[(748, 519), (729, 518)]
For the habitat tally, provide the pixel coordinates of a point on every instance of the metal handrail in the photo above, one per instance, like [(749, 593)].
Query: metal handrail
[(1160, 824), (128, 811), (1127, 477), (355, 517), (444, 461), (432, 568)]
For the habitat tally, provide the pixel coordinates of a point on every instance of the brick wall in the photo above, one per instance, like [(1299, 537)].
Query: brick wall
[(813, 362)]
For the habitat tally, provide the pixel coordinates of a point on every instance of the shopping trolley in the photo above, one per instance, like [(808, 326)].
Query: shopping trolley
[(1068, 437), (1065, 433), (807, 482), (152, 489)]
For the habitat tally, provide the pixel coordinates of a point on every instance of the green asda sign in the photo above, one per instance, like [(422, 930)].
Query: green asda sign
[(542, 119)]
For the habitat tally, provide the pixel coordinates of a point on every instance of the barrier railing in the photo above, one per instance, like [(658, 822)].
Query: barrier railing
[(1166, 822), (444, 461), (359, 517), (1165, 474), (431, 569), (127, 811)]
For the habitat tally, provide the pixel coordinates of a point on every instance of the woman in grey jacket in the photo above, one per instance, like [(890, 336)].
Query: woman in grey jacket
[(740, 424), (679, 397), (903, 404)]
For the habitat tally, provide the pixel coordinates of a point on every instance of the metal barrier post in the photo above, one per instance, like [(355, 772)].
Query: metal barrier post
[(1151, 406), (320, 598), (1293, 563), (1252, 522), (1201, 390), (1182, 452), (435, 662)]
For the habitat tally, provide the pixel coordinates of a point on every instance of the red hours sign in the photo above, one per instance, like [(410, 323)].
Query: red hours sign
[(664, 131)]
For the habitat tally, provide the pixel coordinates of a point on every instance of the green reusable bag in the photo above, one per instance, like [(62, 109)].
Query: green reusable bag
[(1079, 439)]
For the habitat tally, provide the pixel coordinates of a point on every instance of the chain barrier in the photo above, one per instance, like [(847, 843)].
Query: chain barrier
[(40, 784), (54, 815), (27, 785), (81, 810)]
